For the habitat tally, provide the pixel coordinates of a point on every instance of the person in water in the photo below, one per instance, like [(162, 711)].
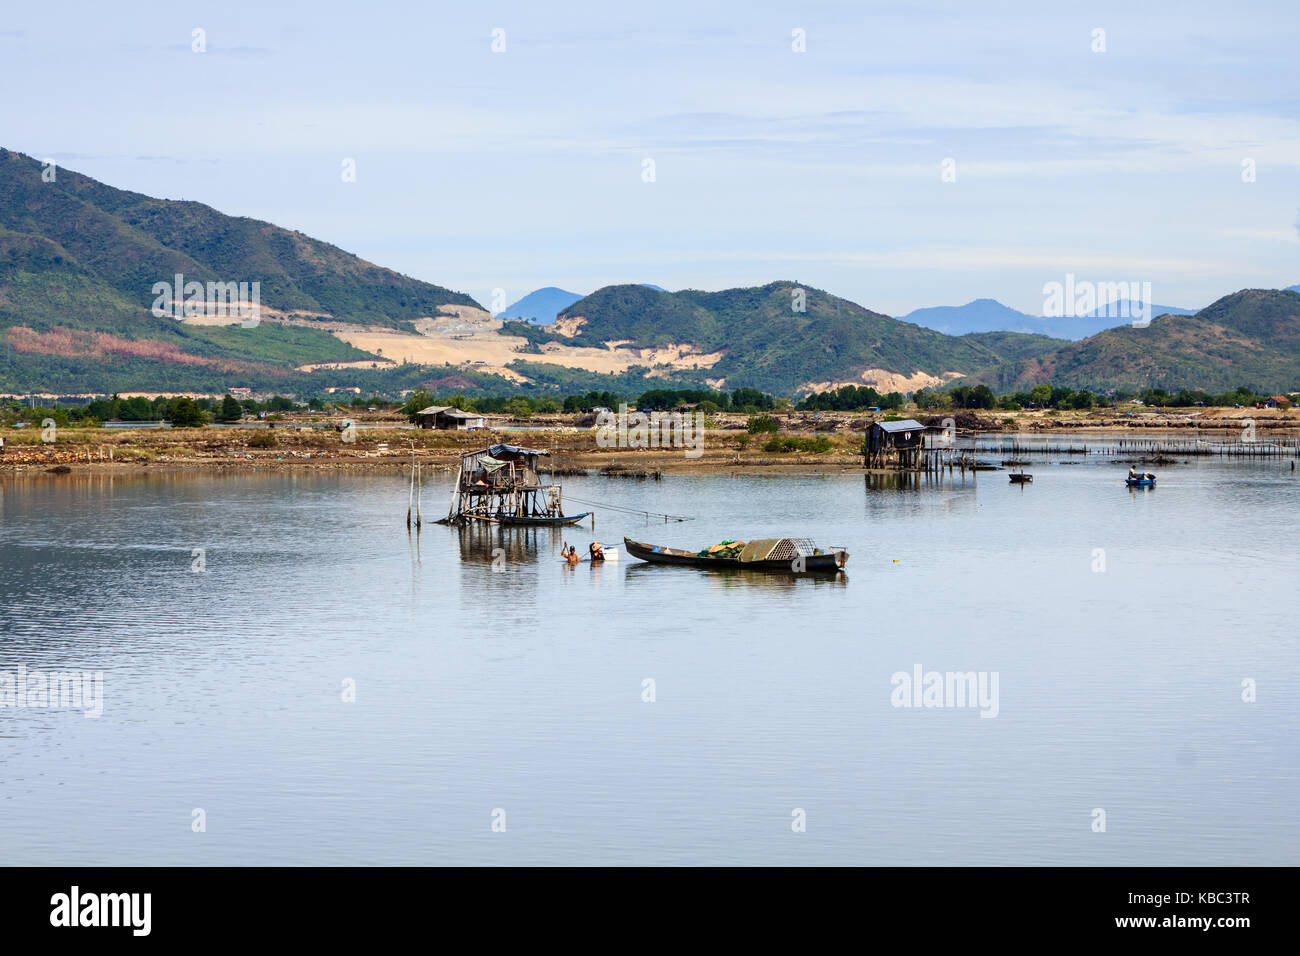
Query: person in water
[(570, 553), (597, 552)]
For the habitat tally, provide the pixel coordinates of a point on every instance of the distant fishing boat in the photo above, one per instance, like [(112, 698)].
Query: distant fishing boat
[(761, 554), (500, 485), (1021, 478), (1143, 480)]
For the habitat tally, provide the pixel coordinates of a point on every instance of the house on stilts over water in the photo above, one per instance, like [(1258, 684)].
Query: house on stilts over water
[(501, 484), (898, 444)]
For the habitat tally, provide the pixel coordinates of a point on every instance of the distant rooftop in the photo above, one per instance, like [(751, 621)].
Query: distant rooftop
[(907, 425)]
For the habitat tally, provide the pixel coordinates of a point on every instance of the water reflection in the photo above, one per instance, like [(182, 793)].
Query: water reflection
[(916, 480), (643, 572), (484, 542)]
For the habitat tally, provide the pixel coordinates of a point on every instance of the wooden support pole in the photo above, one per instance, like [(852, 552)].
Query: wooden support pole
[(410, 500)]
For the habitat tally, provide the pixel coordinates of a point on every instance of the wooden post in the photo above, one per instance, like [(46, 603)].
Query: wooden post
[(410, 500)]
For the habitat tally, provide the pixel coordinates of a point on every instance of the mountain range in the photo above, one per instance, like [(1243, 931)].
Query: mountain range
[(753, 337), (979, 315), (990, 315), (1250, 338), (80, 263), (781, 336)]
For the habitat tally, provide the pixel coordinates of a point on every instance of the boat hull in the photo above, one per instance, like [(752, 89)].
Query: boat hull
[(813, 563), (527, 522)]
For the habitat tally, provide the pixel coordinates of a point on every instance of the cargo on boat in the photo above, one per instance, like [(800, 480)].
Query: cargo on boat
[(500, 484), (760, 554)]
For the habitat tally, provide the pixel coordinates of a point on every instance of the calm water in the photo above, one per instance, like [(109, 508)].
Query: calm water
[(521, 689)]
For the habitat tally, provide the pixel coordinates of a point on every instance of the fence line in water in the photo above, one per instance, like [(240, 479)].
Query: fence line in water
[(1266, 447)]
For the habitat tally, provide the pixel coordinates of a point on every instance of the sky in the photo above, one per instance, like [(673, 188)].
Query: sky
[(909, 155)]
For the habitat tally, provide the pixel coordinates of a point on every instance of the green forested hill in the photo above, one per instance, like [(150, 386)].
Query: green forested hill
[(129, 241), (79, 259), (1249, 338), (770, 344)]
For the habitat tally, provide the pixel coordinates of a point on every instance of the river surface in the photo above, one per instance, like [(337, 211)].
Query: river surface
[(288, 677)]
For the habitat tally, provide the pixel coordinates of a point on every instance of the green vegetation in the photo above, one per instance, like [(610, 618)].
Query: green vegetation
[(93, 414), (518, 408), (185, 413), (852, 398), (128, 242), (819, 444), (522, 405), (280, 344), (1184, 398), (741, 400), (768, 343), (590, 401), (1249, 338), (982, 397)]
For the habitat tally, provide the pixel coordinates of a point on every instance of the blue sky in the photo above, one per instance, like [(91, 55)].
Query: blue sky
[(524, 168)]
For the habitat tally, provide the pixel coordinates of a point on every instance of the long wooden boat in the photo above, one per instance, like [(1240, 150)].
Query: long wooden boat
[(531, 521), (765, 554)]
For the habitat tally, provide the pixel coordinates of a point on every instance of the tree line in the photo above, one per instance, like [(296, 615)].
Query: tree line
[(852, 398), (743, 400), (1058, 397)]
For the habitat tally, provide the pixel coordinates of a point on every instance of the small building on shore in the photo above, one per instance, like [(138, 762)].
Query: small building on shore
[(896, 444), (445, 417)]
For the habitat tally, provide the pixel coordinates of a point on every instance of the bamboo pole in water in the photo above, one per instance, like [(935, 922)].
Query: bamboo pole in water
[(419, 488), (411, 497)]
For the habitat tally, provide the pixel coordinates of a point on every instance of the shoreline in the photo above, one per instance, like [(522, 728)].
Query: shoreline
[(310, 448)]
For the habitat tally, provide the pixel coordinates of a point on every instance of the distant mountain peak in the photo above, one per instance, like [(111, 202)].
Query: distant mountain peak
[(540, 306)]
